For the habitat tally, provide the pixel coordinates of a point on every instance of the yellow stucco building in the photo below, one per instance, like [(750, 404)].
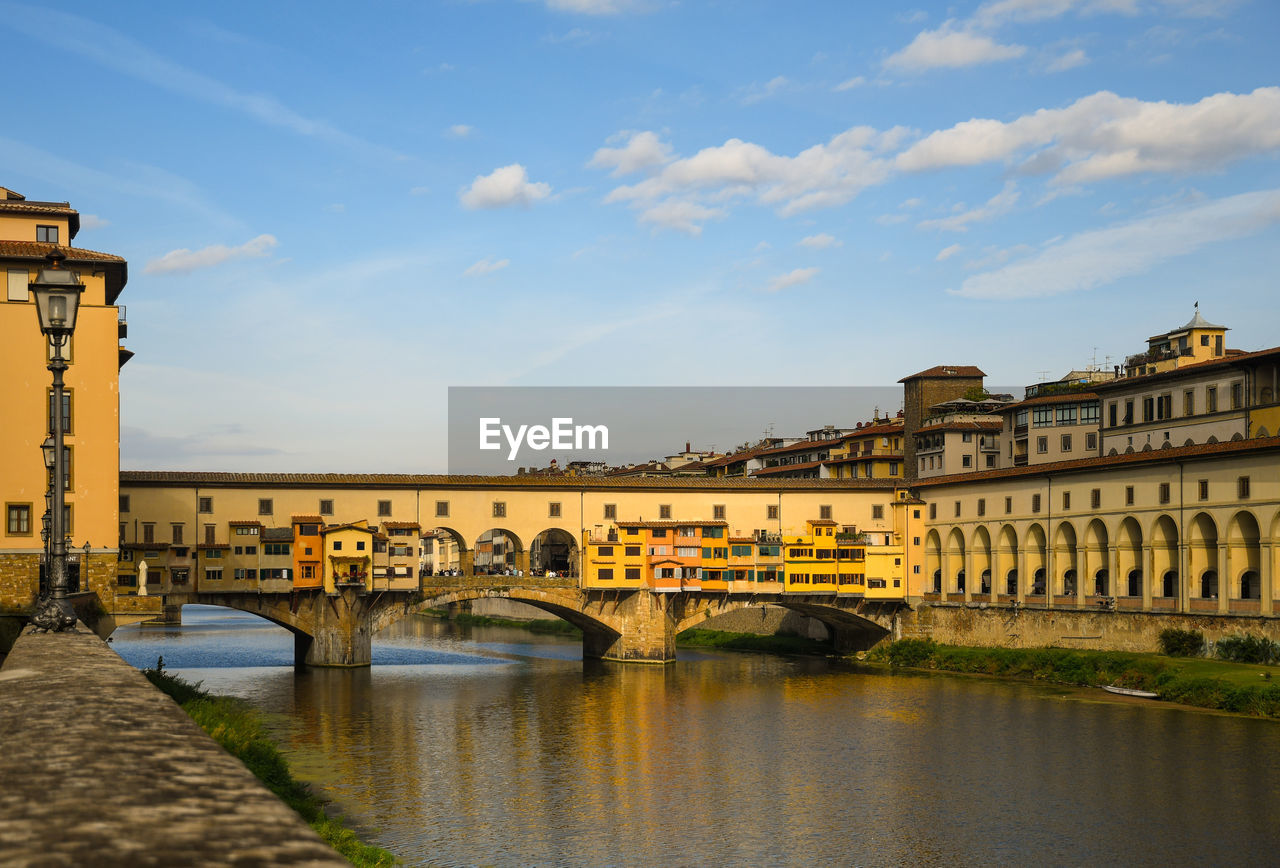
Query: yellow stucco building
[(29, 231)]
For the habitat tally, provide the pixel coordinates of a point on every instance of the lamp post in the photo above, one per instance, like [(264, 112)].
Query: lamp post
[(57, 295)]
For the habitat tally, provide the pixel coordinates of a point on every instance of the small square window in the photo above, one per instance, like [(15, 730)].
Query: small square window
[(877, 511), (553, 510), (1095, 498), (1128, 495), (1164, 492), (326, 507), (1066, 500), (47, 234), (442, 509), (337, 545), (124, 503), (717, 512), (1242, 487), (771, 511), (499, 509), (664, 511), (611, 511), (359, 545), (982, 506), (966, 460), (18, 519), (1204, 489), (384, 507), (1066, 442), (1042, 445), (205, 505), (1035, 503), (264, 506), (824, 512), (933, 510)]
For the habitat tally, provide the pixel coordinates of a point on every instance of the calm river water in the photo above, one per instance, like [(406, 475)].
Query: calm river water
[(489, 746)]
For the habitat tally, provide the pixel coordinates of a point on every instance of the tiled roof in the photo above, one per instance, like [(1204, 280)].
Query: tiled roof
[(947, 371), (785, 468), (858, 456), (441, 481), (1173, 373), (1060, 398), (401, 524), (63, 209), (993, 425), (672, 523), (1154, 456), (277, 534), (117, 270), (245, 523), (306, 519), (349, 526)]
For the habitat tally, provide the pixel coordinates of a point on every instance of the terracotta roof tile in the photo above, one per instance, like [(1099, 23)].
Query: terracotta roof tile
[(993, 425), (401, 524), (672, 523), (1060, 398), (117, 271), (306, 519), (947, 371)]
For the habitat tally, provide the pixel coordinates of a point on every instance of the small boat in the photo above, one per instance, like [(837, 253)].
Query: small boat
[(1130, 691)]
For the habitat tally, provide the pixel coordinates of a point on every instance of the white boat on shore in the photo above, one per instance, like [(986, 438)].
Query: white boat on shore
[(1130, 691)]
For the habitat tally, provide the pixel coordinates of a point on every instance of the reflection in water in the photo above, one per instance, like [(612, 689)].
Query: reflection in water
[(491, 746)]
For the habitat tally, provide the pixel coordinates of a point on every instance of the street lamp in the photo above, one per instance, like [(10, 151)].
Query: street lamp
[(57, 293)]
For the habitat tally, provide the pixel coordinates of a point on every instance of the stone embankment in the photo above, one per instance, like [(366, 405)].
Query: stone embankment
[(100, 768)]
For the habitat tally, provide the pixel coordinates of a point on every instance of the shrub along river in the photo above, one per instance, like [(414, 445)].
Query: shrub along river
[(494, 746)]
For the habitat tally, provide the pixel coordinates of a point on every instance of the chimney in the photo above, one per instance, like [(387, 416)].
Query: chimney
[(686, 446)]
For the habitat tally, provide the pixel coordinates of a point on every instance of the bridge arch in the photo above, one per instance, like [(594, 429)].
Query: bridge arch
[(1244, 553), (855, 625), (497, 550), (1007, 554)]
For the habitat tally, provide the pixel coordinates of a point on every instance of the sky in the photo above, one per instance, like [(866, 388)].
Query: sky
[(332, 213)]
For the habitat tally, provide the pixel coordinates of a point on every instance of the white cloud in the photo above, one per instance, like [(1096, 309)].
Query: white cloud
[(594, 7), (1102, 256), (419, 191), (1070, 60), (642, 150), (950, 48), (461, 131), (759, 92), (1104, 135), (93, 221), (998, 204), (850, 83), (502, 188), (184, 260), (791, 278), (913, 202), (947, 252), (576, 35), (821, 176), (684, 216), (820, 241), (486, 266)]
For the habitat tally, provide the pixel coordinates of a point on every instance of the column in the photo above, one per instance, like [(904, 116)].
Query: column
[(1148, 567), (969, 577), (1023, 578), (1226, 587), (1266, 575)]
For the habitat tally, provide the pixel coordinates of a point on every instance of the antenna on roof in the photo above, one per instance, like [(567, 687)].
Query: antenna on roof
[(1197, 306), (1044, 375)]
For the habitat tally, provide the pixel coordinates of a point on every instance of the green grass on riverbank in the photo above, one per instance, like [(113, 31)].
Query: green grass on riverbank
[(1236, 687), (234, 724), (779, 643), (537, 625)]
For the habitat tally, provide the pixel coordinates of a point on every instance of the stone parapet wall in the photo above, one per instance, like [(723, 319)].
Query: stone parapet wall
[(19, 582), (103, 769), (1027, 627)]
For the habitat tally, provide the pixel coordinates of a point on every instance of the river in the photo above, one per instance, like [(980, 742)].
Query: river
[(493, 746)]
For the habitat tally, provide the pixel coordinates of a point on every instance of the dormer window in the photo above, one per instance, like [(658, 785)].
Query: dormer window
[(47, 234)]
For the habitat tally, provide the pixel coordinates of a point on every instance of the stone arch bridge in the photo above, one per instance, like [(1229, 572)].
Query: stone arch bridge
[(623, 625)]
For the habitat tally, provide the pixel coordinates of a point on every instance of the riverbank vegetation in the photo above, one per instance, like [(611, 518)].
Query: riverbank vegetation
[(777, 643), (535, 625), (1242, 688), (236, 726)]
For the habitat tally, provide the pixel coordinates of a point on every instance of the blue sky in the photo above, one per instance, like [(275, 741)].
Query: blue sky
[(332, 214)]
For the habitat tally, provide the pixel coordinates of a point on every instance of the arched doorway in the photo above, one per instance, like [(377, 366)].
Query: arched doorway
[(1095, 553), (982, 559), (1036, 560), (1244, 554), (1129, 557), (554, 550), (1007, 556), (1202, 552), (955, 560), (933, 561), (1064, 559)]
